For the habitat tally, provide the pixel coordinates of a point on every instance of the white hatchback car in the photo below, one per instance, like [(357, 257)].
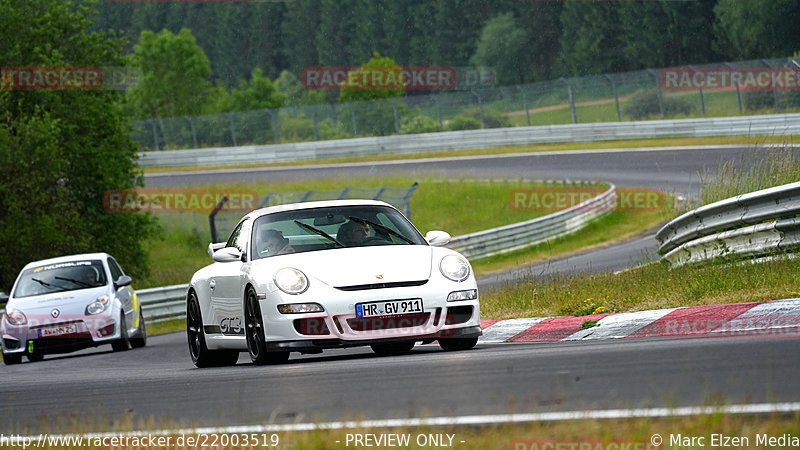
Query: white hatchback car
[(311, 276), (65, 304)]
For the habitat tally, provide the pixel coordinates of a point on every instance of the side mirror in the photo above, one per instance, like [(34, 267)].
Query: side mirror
[(227, 254), (213, 247), (437, 238), (123, 281)]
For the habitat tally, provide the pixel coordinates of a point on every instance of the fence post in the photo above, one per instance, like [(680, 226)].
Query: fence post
[(307, 196), (314, 122), (155, 132), (380, 193), (274, 119), (525, 105), (212, 219), (265, 202), (480, 109), (660, 93), (344, 193), (233, 129), (407, 200), (702, 101), (396, 117), (438, 113), (616, 96), (194, 132), (572, 103)]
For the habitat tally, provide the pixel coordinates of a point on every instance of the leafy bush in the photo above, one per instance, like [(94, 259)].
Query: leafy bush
[(463, 123), (419, 124), (644, 104)]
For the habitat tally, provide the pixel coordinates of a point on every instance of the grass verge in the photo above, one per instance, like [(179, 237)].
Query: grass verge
[(534, 148), (653, 286), (609, 433)]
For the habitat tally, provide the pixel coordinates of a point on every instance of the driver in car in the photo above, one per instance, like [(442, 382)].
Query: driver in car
[(276, 243), (352, 233)]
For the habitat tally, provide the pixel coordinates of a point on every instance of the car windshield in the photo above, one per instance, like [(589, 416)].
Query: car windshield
[(331, 228), (60, 277)]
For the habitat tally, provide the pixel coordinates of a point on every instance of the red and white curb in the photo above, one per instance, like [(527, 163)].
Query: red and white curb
[(779, 318)]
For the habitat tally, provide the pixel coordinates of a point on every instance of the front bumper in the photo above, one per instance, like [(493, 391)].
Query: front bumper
[(89, 332), (321, 344)]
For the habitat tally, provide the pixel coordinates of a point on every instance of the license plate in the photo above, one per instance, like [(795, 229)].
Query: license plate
[(389, 308), (58, 330)]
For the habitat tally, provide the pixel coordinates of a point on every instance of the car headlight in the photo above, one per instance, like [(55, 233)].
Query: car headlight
[(454, 268), (291, 281), (16, 317), (97, 306)]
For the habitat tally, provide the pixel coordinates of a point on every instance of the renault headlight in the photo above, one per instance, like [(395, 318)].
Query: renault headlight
[(16, 317), (97, 306), (291, 281), (454, 268)]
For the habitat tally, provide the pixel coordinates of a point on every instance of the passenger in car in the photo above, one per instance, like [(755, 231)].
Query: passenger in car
[(352, 233)]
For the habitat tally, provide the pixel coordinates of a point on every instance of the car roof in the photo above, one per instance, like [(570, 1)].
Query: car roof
[(318, 204), (61, 259)]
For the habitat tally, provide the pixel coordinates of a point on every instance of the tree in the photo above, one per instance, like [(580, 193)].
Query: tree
[(258, 93), (71, 145), (665, 34), (591, 38), (749, 29), (175, 75), (503, 47), (374, 117)]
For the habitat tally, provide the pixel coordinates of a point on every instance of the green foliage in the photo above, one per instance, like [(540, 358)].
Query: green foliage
[(60, 151), (757, 28), (463, 123), (503, 46), (175, 75), (419, 124), (591, 38), (288, 85), (374, 118), (644, 104), (258, 93)]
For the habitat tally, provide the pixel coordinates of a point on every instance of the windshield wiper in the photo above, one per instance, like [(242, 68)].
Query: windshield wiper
[(46, 284), (75, 281), (382, 228), (319, 232)]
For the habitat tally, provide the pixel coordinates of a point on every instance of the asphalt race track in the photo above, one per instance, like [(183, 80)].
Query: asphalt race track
[(160, 381), (668, 170)]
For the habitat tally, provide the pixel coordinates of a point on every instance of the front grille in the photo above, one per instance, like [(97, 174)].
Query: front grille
[(388, 322), (364, 287)]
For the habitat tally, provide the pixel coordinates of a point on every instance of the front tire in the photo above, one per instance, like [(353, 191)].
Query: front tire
[(201, 355), (254, 329), (456, 344), (140, 338), (123, 343)]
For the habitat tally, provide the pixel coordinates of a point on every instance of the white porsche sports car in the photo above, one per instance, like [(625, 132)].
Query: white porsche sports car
[(65, 304), (311, 276)]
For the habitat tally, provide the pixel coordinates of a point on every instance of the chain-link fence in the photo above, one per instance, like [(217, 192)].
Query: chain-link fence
[(221, 223), (603, 98)]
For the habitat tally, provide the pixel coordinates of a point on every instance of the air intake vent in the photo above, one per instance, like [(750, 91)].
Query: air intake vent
[(364, 287)]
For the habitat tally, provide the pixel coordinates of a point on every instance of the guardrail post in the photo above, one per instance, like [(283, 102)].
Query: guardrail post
[(212, 219)]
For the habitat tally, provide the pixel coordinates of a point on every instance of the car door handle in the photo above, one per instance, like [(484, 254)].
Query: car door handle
[(212, 284)]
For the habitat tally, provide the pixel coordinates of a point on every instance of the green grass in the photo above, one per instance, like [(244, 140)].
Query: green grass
[(653, 286)]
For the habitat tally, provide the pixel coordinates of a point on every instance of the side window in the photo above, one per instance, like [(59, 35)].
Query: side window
[(238, 239), (116, 271)]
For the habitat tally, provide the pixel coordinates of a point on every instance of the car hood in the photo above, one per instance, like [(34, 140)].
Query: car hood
[(79, 298), (362, 265)]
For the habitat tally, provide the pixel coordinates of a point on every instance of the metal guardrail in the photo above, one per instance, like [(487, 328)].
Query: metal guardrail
[(766, 125), (753, 224), (169, 303), (517, 236)]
